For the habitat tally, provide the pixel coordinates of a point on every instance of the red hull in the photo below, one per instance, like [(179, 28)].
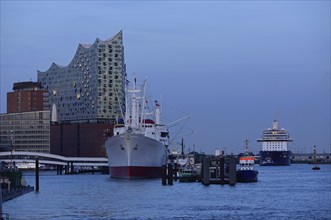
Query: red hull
[(135, 172)]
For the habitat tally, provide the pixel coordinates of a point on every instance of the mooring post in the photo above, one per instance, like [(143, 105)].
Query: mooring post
[(37, 174), (170, 174), (66, 169), (222, 174), (164, 174), (206, 171), (0, 203), (232, 171), (175, 171), (71, 167)]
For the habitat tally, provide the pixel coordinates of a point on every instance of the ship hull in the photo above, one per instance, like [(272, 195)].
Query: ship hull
[(275, 158), (134, 156), (247, 176)]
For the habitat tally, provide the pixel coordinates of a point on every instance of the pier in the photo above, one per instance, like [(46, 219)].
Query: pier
[(63, 164), (219, 170), (214, 170)]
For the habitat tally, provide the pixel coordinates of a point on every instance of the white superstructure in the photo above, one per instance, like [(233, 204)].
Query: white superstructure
[(275, 138)]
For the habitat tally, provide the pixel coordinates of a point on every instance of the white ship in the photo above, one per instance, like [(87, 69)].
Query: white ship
[(138, 148)]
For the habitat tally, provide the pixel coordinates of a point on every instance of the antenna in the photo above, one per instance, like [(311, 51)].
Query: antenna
[(277, 115), (246, 144)]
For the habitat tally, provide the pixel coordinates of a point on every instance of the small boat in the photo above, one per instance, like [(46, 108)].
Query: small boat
[(315, 167), (246, 172), (188, 174)]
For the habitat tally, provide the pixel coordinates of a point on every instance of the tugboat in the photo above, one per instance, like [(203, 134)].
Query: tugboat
[(188, 174), (246, 172), (315, 167)]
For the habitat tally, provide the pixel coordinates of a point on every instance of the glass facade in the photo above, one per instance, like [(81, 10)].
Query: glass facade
[(26, 131), (92, 87)]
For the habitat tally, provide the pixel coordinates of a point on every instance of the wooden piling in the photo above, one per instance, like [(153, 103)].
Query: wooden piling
[(232, 171), (175, 172), (66, 169), (37, 174), (0, 202), (170, 174), (222, 174), (206, 171), (71, 167), (164, 175)]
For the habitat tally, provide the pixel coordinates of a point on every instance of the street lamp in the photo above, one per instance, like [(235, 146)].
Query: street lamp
[(11, 147)]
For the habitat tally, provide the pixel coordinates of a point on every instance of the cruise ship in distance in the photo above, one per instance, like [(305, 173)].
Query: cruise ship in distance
[(275, 146)]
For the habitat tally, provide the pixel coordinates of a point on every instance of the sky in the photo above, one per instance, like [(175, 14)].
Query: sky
[(234, 66)]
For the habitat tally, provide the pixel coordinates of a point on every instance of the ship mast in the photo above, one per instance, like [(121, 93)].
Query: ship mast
[(246, 145), (143, 102), (134, 113), (314, 156)]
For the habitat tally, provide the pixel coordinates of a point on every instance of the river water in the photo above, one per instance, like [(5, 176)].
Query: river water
[(292, 192)]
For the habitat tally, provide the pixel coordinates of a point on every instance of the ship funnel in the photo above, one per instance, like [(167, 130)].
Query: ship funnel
[(275, 125)]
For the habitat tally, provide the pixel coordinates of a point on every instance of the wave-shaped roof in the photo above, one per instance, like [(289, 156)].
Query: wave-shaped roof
[(84, 46)]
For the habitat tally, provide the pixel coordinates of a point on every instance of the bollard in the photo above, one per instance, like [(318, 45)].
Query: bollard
[(37, 175), (222, 174), (164, 175), (206, 171), (232, 171), (170, 174)]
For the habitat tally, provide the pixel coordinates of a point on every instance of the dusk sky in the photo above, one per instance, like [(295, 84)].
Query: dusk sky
[(234, 66)]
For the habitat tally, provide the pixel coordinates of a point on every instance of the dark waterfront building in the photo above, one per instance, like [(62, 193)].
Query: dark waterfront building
[(91, 87), (80, 140), (27, 96)]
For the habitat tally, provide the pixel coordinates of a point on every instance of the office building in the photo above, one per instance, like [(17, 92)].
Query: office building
[(25, 131)]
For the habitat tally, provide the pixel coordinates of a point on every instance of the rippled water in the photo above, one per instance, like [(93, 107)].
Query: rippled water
[(294, 192)]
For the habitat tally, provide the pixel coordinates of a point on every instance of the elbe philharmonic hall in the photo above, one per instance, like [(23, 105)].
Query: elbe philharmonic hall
[(71, 109)]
